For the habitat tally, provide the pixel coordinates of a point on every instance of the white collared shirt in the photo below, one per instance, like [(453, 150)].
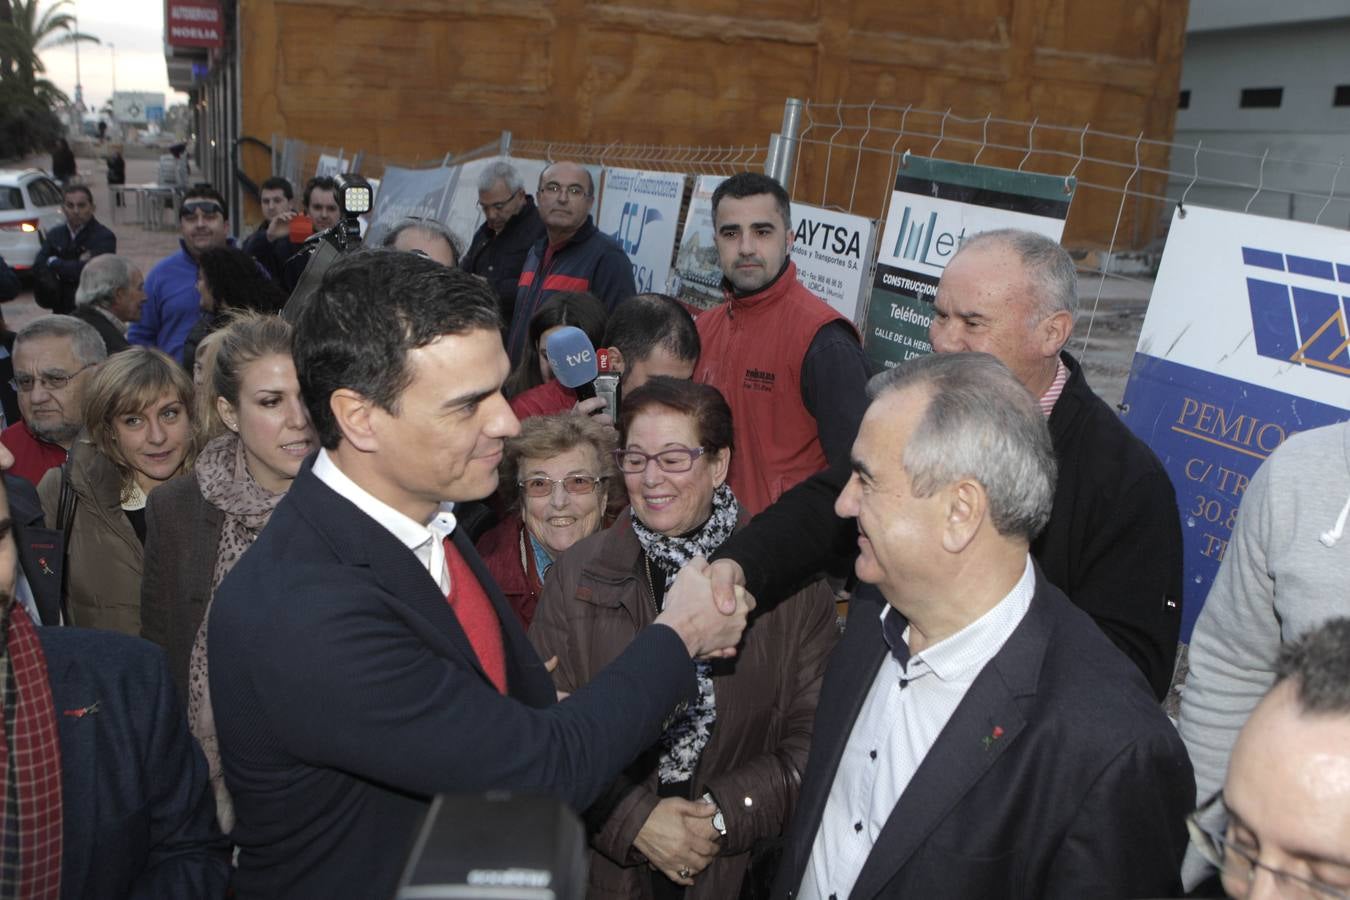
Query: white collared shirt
[(424, 540), (906, 709)]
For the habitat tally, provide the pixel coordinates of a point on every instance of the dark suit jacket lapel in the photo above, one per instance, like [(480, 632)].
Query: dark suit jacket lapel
[(852, 669), (961, 756), (361, 540), (526, 677), (41, 549), (80, 789)]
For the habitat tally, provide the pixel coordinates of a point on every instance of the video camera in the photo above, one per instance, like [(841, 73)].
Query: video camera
[(355, 198)]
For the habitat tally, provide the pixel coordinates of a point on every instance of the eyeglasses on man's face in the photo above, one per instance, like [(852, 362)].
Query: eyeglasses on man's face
[(52, 381), (573, 190), (676, 459), (542, 485), (1238, 859), (500, 205)]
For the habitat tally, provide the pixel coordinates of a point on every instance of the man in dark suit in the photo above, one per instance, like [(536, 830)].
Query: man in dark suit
[(130, 814), (1002, 747), (68, 248), (511, 226), (361, 658)]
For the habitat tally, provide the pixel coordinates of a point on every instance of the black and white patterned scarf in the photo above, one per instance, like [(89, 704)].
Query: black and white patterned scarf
[(683, 742)]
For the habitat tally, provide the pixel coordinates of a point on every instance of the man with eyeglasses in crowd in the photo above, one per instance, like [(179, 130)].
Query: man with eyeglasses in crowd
[(172, 304), (511, 226), (573, 255), (53, 359), (1284, 812)]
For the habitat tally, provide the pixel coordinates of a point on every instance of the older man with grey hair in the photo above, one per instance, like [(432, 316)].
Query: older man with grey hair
[(53, 358), (1113, 542), (109, 298), (427, 237), (511, 225), (977, 734)]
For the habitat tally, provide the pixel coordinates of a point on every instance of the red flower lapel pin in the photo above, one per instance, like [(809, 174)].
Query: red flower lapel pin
[(992, 736)]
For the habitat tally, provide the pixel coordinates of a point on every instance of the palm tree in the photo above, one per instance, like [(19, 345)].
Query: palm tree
[(24, 32), (27, 101)]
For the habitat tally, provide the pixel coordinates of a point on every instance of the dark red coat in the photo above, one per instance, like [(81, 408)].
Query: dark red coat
[(503, 549)]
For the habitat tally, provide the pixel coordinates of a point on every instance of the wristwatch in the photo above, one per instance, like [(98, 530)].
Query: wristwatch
[(718, 820)]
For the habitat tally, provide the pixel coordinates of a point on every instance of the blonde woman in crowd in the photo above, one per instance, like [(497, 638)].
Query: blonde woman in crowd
[(200, 524)]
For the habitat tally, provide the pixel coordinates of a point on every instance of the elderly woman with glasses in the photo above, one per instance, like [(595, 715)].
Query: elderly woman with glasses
[(558, 479), (723, 777)]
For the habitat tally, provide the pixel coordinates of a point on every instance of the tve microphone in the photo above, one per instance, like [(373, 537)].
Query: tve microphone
[(573, 360)]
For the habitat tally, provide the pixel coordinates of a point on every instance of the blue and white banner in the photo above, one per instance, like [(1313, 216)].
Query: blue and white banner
[(641, 210), (1245, 342)]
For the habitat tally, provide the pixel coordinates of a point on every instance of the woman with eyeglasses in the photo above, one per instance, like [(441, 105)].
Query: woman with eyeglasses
[(201, 524), (137, 435), (722, 779), (558, 480)]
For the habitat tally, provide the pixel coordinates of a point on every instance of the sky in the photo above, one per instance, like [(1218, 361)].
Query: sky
[(136, 28)]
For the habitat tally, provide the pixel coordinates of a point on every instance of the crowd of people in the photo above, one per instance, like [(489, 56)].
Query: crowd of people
[(776, 626)]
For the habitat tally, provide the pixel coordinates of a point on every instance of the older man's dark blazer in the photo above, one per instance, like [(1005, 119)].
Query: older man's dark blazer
[(138, 817), (41, 555), (1083, 793), (346, 695)]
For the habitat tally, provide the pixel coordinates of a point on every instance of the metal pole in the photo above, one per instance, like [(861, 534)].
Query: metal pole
[(773, 158), (506, 143), (785, 160)]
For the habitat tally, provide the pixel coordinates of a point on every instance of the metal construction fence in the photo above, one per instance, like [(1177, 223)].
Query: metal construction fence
[(846, 156)]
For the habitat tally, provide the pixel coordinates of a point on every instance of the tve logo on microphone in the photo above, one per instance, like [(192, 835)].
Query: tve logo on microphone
[(571, 356)]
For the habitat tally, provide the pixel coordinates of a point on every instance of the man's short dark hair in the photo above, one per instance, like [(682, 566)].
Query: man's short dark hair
[(1319, 665), (78, 189), (640, 324), (371, 308), (323, 183), (752, 184), (277, 183), (204, 191)]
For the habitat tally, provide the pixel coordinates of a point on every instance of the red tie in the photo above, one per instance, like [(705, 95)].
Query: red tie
[(476, 616)]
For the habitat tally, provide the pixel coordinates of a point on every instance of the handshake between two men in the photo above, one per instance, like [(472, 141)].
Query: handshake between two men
[(707, 606)]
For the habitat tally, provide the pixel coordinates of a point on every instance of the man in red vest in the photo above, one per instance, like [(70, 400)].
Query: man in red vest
[(789, 365), (361, 657)]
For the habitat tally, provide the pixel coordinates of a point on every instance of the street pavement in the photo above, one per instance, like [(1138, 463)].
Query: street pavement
[(143, 246)]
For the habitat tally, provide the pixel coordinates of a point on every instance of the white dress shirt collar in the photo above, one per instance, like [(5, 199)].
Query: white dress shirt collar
[(423, 539), (961, 656)]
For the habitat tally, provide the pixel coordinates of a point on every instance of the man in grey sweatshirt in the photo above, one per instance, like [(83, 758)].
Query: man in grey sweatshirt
[(1286, 570)]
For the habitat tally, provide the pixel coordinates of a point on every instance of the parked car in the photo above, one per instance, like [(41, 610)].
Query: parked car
[(30, 205)]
